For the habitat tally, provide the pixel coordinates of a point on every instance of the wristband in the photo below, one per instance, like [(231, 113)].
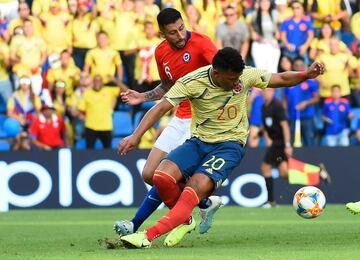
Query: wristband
[(302, 74), (288, 144)]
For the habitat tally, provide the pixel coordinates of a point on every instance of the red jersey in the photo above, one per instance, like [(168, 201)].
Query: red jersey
[(175, 63), (48, 133)]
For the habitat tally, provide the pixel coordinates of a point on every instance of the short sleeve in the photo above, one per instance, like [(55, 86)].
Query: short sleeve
[(177, 93), (260, 78), (114, 91)]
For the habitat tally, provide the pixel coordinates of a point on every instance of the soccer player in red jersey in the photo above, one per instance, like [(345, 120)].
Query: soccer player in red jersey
[(181, 52)]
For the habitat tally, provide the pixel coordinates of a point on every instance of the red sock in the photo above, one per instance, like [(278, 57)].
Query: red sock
[(179, 214), (167, 187)]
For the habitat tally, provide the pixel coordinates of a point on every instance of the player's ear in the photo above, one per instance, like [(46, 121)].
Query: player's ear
[(162, 34)]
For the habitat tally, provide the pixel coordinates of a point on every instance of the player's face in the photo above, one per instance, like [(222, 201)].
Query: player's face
[(226, 79), (175, 34)]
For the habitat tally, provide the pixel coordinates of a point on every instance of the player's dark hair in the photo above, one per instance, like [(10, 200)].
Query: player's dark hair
[(228, 59), (168, 16)]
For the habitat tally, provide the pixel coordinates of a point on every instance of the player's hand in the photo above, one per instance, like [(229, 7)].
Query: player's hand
[(315, 70), (127, 144), (301, 106), (132, 97)]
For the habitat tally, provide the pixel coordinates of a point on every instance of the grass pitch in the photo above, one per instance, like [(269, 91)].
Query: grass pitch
[(237, 233)]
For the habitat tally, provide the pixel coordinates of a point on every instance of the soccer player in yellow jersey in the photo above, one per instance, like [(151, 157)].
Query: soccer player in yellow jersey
[(220, 129)]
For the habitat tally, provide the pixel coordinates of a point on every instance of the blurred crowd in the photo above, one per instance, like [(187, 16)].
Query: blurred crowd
[(63, 64)]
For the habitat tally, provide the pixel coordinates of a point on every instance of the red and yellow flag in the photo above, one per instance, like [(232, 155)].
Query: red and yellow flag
[(303, 173)]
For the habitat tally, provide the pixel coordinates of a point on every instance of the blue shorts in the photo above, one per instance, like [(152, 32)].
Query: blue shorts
[(214, 160)]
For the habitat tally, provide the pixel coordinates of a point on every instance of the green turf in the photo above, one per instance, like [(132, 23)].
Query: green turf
[(237, 233)]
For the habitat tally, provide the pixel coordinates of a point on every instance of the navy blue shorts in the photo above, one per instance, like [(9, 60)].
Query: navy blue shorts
[(214, 160)]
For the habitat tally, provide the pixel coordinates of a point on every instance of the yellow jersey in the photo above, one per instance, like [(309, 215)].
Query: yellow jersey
[(218, 115), (57, 31), (84, 32), (70, 76), (103, 62), (336, 73), (29, 50), (98, 107), (326, 7)]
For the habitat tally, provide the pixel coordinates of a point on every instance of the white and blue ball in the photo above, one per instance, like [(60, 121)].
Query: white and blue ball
[(309, 202)]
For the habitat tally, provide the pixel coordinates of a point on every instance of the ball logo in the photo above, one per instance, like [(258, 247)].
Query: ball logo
[(186, 57), (238, 88)]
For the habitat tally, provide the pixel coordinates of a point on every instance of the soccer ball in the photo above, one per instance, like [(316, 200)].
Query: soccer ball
[(309, 202)]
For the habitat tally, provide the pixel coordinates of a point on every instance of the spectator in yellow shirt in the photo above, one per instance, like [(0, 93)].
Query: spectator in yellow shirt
[(24, 13), (97, 104), (193, 20), (337, 66), (328, 11), (119, 22), (72, 103), (322, 44), (209, 13), (104, 61), (5, 84), (146, 72), (28, 54), (67, 72), (151, 10), (56, 29), (43, 6), (84, 29)]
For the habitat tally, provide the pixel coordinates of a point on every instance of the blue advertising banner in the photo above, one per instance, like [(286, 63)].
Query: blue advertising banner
[(101, 178)]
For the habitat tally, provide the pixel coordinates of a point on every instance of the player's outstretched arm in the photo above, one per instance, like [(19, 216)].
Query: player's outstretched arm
[(133, 97), (155, 113), (292, 78)]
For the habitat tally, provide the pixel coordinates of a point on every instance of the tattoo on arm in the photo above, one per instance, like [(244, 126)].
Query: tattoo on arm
[(158, 92)]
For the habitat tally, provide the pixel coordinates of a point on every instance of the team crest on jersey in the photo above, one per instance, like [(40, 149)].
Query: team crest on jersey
[(186, 57), (238, 88)]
